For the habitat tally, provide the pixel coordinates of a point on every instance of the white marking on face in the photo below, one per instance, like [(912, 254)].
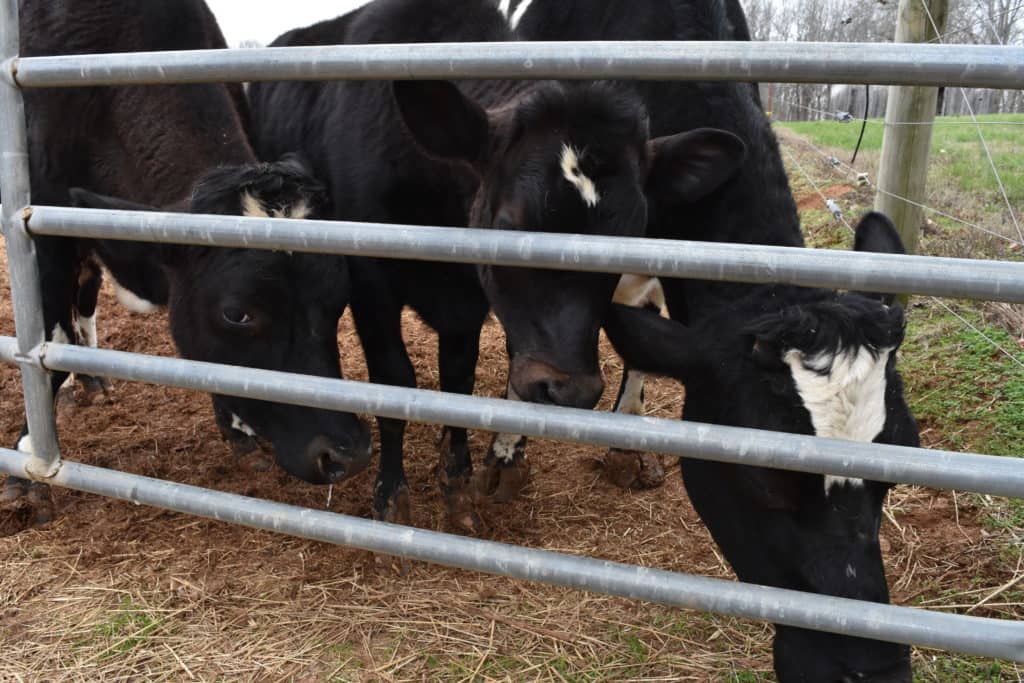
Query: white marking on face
[(570, 163), (238, 425), (851, 572), (252, 207), (632, 400), (844, 394), (503, 7), (298, 210), (517, 16), (25, 444)]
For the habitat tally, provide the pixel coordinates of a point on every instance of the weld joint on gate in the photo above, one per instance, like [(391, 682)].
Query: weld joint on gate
[(9, 72)]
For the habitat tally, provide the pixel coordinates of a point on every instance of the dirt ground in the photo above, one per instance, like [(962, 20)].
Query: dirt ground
[(114, 591)]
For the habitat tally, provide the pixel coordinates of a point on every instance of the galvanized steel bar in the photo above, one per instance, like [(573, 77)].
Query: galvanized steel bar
[(944, 277), (969, 66), (942, 469), (973, 635), (26, 292)]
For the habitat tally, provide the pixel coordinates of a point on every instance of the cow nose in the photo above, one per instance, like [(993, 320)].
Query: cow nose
[(336, 462), (539, 382)]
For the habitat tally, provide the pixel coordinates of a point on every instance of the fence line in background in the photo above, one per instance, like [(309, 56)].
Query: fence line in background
[(960, 278), (974, 66)]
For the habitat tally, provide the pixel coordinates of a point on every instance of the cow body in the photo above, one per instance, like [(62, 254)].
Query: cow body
[(499, 154), (150, 146), (780, 528)]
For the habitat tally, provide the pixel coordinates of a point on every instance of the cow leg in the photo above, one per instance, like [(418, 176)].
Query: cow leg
[(635, 469), (57, 258), (506, 469), (457, 357), (380, 333), (90, 278)]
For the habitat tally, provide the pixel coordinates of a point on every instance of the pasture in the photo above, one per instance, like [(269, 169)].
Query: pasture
[(118, 592)]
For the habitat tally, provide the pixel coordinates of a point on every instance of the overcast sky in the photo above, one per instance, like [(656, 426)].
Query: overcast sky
[(242, 20)]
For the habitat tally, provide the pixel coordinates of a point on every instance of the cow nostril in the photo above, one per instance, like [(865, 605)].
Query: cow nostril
[(333, 464)]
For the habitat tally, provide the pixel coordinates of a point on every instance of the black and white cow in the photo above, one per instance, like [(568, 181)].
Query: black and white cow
[(151, 145), (504, 154), (809, 362), (806, 534)]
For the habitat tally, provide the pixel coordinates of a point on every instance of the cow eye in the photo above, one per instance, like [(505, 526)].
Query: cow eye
[(236, 316)]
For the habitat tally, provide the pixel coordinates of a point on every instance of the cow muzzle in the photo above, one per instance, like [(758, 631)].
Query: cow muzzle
[(335, 463), (536, 381)]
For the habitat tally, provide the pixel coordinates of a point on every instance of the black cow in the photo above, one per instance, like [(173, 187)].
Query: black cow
[(151, 145), (755, 206), (809, 362), (503, 154)]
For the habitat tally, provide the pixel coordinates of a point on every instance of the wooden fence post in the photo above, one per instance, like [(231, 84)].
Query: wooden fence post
[(903, 168)]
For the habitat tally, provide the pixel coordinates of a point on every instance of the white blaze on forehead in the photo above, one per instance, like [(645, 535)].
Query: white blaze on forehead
[(504, 6), (844, 394), (254, 208), (570, 163), (238, 425)]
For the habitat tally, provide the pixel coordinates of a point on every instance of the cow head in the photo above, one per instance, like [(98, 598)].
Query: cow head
[(262, 309), (570, 159), (802, 361)]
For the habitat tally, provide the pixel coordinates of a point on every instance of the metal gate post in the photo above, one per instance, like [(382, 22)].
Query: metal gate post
[(26, 290)]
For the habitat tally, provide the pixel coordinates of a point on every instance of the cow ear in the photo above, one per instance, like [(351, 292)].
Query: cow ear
[(653, 344), (876, 233), (444, 122), (165, 254), (688, 166)]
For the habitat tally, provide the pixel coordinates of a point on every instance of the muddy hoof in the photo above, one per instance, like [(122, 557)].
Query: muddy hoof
[(633, 469), (503, 480), (397, 509), (14, 489), (32, 497), (93, 391), (462, 501)]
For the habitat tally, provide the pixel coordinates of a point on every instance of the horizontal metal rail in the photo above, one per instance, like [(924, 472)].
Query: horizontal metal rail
[(971, 66), (974, 635), (942, 469), (935, 276)]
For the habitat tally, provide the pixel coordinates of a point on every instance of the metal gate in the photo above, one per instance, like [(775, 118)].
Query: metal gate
[(935, 65)]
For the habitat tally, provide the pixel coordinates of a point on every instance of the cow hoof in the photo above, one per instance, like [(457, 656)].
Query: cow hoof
[(27, 495), (94, 390), (504, 480), (633, 469), (14, 490), (461, 499), (397, 509)]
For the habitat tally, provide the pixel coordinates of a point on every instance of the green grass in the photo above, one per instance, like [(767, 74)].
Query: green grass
[(125, 629), (957, 154), (960, 386)]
